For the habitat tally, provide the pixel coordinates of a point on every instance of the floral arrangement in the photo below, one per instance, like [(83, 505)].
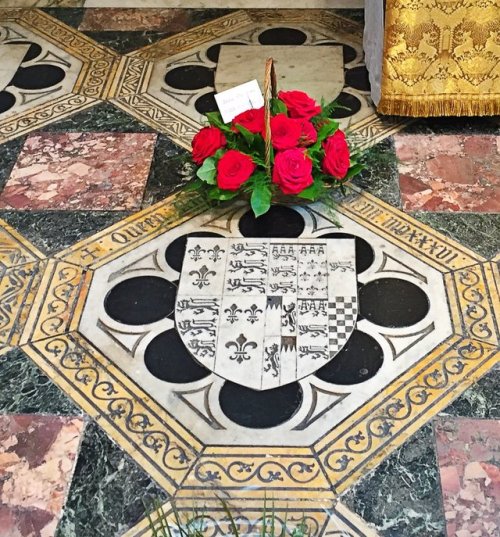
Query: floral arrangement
[(295, 150)]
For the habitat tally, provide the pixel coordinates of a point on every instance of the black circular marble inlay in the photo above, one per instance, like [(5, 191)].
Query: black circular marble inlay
[(358, 361), (279, 222), (357, 78), (214, 51), (392, 302), (37, 77), (167, 358), (206, 103), (260, 409), (141, 300), (348, 52), (282, 36), (174, 254), (33, 52), (352, 103), (190, 77), (7, 101), (364, 252)]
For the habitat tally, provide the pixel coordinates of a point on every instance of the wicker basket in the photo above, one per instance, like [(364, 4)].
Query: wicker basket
[(270, 92)]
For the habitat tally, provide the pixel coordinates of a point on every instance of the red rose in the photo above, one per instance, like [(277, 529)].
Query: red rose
[(206, 143), (285, 132), (308, 135), (292, 171), (299, 104), (253, 120), (233, 169), (336, 161)]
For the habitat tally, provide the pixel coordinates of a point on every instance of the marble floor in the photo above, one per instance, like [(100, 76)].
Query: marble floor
[(117, 388)]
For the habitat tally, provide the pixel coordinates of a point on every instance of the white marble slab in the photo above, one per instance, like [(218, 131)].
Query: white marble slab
[(250, 341), (324, 404), (319, 71)]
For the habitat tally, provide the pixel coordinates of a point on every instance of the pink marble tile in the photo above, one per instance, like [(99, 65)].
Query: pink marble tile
[(37, 460), (99, 171), (449, 172), (469, 465), (158, 20)]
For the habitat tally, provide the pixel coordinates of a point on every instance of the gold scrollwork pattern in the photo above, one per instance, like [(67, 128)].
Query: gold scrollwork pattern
[(26, 122), (14, 249), (98, 59), (178, 127), (256, 472), (397, 411), (60, 293), (17, 290), (477, 313), (214, 522), (121, 411)]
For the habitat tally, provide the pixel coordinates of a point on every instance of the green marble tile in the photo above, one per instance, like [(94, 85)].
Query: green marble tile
[(103, 117), (401, 497), (25, 389), (108, 490)]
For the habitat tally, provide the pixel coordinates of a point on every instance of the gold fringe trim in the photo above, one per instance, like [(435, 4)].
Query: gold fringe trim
[(425, 106)]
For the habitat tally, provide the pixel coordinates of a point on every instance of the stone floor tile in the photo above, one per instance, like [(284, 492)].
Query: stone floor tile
[(159, 20), (37, 459), (449, 172), (78, 171), (469, 465)]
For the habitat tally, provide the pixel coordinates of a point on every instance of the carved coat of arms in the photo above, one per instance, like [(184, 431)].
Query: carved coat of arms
[(266, 312)]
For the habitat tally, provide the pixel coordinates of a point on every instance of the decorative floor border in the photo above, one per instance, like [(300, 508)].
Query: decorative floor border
[(94, 79), (41, 311), (173, 456), (326, 518)]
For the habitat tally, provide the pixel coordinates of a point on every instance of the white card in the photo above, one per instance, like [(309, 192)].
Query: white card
[(239, 99)]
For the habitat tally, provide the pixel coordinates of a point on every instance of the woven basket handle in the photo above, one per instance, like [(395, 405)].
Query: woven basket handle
[(269, 93)]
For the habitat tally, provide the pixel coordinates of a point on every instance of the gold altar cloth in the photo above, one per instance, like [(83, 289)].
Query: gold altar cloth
[(441, 58)]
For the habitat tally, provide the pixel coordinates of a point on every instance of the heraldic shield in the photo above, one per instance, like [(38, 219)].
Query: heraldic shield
[(266, 312)]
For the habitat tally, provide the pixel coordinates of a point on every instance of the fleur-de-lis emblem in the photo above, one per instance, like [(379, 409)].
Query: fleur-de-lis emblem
[(241, 344), (196, 252), (232, 312), (215, 253), (312, 265), (311, 291), (253, 313), (202, 276)]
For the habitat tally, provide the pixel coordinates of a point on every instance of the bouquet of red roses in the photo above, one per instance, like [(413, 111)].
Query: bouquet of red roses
[(294, 150)]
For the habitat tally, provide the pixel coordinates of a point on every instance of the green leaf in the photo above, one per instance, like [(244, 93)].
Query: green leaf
[(354, 170), (313, 192), (194, 185), (249, 137), (327, 130), (216, 193), (261, 199), (278, 107), (215, 119), (208, 171)]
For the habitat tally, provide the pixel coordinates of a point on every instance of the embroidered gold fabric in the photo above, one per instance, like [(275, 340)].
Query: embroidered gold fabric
[(441, 57)]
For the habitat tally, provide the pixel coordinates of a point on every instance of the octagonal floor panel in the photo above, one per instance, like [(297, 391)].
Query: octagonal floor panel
[(106, 332)]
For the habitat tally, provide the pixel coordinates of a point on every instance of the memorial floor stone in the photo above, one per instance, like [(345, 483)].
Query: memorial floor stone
[(171, 84), (178, 334)]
